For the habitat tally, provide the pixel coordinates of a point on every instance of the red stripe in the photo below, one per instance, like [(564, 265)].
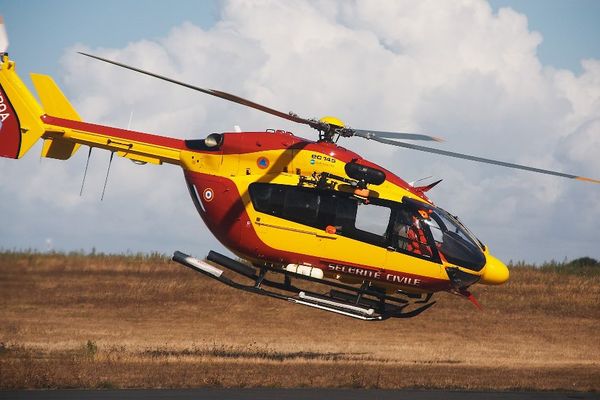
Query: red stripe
[(115, 132)]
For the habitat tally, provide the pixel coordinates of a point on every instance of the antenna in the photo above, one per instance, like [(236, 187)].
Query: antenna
[(130, 119), (85, 171), (112, 154)]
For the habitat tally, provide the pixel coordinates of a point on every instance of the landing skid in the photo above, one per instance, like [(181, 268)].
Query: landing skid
[(365, 303)]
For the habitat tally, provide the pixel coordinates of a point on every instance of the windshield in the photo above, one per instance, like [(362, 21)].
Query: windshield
[(452, 239), (441, 221)]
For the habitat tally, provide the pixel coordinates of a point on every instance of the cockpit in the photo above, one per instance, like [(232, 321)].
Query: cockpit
[(409, 226), (450, 237)]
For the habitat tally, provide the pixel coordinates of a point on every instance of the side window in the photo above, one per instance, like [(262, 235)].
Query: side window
[(301, 206), (370, 224), (289, 202), (409, 233), (372, 218), (268, 198), (364, 222), (336, 210)]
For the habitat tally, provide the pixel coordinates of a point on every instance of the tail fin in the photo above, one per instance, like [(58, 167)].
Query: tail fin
[(56, 104), (20, 114)]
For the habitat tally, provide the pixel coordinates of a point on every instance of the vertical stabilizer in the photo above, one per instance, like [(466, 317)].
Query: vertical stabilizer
[(55, 103)]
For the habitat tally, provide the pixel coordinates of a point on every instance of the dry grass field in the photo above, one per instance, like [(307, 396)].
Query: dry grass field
[(128, 322)]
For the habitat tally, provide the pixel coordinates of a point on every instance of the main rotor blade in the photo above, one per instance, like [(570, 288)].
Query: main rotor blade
[(482, 160), (217, 93), (369, 134)]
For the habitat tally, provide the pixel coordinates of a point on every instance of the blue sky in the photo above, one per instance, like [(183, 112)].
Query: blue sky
[(481, 79), (40, 30), (570, 27)]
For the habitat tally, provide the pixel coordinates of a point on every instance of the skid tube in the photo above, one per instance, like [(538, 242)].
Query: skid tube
[(365, 303)]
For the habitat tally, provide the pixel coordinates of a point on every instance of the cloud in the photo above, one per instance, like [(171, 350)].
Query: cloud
[(453, 69)]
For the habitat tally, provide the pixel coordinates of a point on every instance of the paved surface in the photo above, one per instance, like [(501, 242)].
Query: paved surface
[(288, 394)]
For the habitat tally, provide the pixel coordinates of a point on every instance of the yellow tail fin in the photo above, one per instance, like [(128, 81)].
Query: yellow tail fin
[(56, 104)]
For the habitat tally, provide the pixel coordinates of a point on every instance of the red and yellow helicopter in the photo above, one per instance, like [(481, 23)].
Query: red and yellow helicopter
[(299, 209)]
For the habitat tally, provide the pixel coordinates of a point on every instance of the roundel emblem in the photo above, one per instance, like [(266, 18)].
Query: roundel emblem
[(262, 162), (208, 194)]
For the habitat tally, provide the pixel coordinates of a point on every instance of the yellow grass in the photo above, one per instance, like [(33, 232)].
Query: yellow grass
[(114, 321)]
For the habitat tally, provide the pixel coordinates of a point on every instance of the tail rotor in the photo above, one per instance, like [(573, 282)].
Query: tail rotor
[(3, 37)]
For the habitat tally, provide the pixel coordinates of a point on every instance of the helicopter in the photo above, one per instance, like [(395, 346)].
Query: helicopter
[(362, 242)]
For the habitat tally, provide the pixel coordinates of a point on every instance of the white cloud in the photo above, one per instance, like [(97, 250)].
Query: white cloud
[(453, 69)]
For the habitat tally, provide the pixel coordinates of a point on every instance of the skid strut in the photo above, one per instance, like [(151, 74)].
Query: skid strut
[(366, 303)]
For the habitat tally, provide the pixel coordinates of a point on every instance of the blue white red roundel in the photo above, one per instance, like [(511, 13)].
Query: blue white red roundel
[(208, 194)]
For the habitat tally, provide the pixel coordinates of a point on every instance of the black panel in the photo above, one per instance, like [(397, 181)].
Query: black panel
[(200, 144), (365, 174), (460, 279), (460, 252)]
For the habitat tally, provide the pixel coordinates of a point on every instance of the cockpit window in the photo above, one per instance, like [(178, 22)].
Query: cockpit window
[(452, 239), (408, 233), (443, 221), (436, 231)]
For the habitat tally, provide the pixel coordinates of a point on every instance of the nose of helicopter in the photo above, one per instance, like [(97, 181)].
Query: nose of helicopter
[(495, 272)]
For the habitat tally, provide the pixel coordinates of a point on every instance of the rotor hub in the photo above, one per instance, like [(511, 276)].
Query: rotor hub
[(333, 121), (330, 126)]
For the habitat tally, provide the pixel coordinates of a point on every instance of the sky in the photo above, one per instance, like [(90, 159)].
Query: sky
[(513, 80)]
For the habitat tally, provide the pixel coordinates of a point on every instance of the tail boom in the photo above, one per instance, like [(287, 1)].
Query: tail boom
[(138, 146)]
